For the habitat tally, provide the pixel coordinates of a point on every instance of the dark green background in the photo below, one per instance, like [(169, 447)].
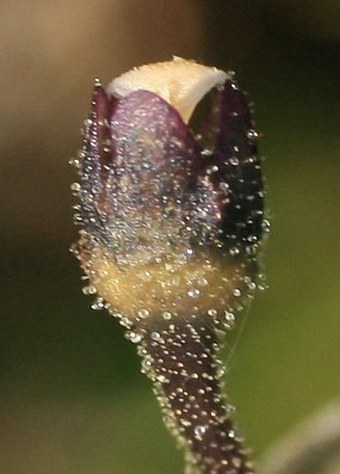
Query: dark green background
[(72, 398)]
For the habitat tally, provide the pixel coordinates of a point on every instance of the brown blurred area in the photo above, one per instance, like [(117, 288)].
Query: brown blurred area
[(50, 54), (72, 398)]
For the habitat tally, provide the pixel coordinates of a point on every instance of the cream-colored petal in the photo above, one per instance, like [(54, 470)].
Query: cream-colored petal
[(180, 82)]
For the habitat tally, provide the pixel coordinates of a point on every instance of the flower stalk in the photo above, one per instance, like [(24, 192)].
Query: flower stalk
[(171, 227)]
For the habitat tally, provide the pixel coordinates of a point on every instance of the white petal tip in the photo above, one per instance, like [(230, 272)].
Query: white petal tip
[(180, 82)]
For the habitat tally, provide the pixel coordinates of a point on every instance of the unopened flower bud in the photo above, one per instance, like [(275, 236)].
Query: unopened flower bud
[(171, 224)]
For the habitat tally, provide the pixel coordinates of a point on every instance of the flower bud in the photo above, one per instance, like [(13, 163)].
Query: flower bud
[(165, 209), (171, 223)]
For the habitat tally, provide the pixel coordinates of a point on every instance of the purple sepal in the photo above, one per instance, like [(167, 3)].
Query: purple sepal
[(147, 182), (230, 141), (96, 158)]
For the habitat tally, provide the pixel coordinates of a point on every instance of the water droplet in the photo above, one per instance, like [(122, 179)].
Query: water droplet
[(207, 152), (194, 293), (77, 218), (230, 409), (262, 285), (98, 304), (134, 337), (146, 364), (266, 226), (252, 238), (75, 161), (236, 462), (224, 187), (162, 379), (87, 122), (199, 431), (214, 169), (166, 315), (202, 281), (76, 188), (251, 250), (220, 372), (252, 134), (143, 313), (89, 290), (229, 319), (234, 161), (237, 292), (234, 251)]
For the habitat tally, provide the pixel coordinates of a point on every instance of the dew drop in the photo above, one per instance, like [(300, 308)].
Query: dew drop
[(134, 337), (166, 315), (220, 372), (76, 188), (202, 282), (230, 409), (74, 161), (162, 379), (87, 122), (125, 322), (236, 461), (234, 251), (98, 304), (252, 134), (213, 169), (146, 364), (229, 319), (252, 238), (89, 290), (199, 431), (224, 187), (143, 313), (194, 293), (207, 152), (266, 226), (234, 161)]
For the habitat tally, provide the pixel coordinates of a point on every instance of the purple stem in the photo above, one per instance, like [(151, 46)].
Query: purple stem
[(180, 356)]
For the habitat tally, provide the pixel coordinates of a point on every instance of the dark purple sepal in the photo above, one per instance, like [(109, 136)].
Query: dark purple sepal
[(229, 143), (96, 152)]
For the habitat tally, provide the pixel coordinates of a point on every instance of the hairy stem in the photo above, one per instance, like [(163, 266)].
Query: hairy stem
[(180, 356)]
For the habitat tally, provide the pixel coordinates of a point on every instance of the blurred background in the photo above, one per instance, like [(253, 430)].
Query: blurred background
[(72, 398)]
